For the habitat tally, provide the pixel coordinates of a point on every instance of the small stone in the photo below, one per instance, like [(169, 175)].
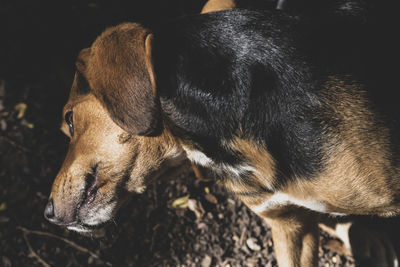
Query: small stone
[(90, 260), (3, 125), (235, 238), (202, 226), (251, 262), (252, 244), (6, 261), (231, 201), (206, 262), (196, 207)]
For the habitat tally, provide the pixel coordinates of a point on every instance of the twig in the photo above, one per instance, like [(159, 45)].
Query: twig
[(33, 254), (16, 145), (72, 244), (21, 147)]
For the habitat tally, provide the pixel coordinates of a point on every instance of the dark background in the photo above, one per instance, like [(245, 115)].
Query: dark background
[(39, 41)]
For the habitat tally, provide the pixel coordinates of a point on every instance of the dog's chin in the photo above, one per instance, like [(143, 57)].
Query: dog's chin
[(80, 229), (85, 230), (92, 219)]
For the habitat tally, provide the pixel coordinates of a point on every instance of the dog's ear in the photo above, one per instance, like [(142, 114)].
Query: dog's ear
[(81, 61), (120, 73), (80, 84)]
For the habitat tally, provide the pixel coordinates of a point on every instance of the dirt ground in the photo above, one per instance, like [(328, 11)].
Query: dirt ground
[(38, 44)]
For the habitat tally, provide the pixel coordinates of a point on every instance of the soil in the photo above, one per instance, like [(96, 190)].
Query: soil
[(38, 45)]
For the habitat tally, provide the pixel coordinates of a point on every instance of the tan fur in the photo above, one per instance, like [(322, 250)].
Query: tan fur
[(106, 128), (149, 64), (106, 124), (105, 144), (355, 179), (211, 6), (218, 5), (259, 159), (199, 172), (119, 71), (295, 234), (357, 176)]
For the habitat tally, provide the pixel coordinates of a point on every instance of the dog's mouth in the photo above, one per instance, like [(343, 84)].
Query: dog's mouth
[(89, 213), (91, 186), (83, 228)]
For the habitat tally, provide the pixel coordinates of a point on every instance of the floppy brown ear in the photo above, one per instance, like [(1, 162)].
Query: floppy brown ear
[(121, 76), (80, 84), (82, 60)]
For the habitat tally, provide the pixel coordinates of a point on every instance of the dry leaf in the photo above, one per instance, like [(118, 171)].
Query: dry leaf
[(4, 219), (211, 198), (181, 203), (3, 206), (21, 108), (27, 124), (196, 207)]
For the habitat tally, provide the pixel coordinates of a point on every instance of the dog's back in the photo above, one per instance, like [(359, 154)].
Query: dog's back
[(293, 84)]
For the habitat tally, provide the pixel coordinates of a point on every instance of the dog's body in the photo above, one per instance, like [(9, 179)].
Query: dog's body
[(257, 111), (248, 94)]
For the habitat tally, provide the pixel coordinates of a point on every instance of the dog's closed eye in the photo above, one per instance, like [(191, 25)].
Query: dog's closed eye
[(70, 122)]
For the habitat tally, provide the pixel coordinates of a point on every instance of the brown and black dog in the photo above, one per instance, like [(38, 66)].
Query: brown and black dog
[(251, 95)]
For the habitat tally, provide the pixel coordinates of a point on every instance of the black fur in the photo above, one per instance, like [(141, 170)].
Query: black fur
[(256, 74)]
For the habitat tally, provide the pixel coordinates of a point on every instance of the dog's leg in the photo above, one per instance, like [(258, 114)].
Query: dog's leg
[(199, 172), (296, 236), (368, 240), (218, 5)]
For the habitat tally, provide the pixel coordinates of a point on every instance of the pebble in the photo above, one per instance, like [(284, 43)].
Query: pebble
[(252, 243), (206, 262), (3, 125)]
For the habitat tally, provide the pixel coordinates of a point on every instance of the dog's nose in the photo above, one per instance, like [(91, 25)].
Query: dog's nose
[(49, 210)]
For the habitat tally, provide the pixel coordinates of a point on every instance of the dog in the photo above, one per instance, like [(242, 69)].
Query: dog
[(251, 95)]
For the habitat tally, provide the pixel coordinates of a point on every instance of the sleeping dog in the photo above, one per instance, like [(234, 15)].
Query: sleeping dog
[(263, 98)]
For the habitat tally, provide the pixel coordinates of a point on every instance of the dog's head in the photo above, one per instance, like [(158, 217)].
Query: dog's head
[(113, 120)]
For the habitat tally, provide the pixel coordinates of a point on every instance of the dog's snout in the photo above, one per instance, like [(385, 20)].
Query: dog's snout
[(91, 185), (49, 210), (55, 216)]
